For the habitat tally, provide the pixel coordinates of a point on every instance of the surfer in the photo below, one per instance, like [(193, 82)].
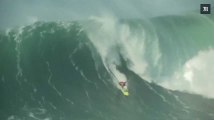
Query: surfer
[(124, 88), (122, 84)]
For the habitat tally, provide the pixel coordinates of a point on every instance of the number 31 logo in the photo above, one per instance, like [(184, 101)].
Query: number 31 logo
[(205, 8)]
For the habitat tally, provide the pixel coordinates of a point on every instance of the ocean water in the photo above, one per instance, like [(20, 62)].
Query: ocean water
[(63, 70)]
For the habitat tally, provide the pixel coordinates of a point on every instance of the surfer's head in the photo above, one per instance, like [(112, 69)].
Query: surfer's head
[(122, 83)]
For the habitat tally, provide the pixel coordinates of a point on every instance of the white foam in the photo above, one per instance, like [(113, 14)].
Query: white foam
[(196, 76), (103, 33), (111, 38)]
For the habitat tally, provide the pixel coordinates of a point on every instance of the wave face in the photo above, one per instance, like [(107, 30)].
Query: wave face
[(63, 70)]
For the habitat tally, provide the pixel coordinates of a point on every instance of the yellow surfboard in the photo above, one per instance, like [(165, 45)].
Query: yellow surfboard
[(125, 91)]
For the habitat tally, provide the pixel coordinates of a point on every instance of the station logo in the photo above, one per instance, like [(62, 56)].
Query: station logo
[(205, 8)]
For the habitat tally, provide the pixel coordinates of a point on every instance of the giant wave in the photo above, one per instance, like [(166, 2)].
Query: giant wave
[(62, 70)]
